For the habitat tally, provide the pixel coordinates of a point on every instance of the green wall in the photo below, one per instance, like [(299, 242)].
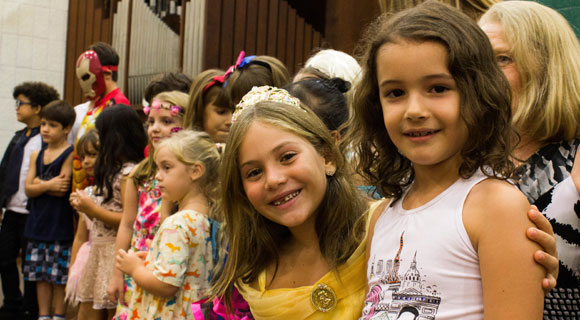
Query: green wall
[(569, 9)]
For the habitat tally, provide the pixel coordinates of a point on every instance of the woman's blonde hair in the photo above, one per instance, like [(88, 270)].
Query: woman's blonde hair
[(196, 147), (145, 170), (201, 95), (547, 56), (254, 241)]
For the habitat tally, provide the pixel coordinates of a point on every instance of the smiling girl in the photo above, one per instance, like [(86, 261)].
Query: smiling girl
[(432, 128)]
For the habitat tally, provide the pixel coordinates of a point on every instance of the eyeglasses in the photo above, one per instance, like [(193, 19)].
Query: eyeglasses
[(19, 103)]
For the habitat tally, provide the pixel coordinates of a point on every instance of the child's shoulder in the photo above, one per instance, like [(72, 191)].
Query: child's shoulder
[(185, 218), (491, 204), (492, 192)]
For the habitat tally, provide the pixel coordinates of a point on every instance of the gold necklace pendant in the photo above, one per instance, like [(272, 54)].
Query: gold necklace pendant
[(323, 298)]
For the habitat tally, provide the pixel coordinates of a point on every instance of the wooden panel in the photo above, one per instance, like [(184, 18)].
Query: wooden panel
[(282, 26), (251, 26), (79, 43), (272, 28), (88, 22), (212, 39), (227, 34), (315, 39), (307, 41), (97, 13), (70, 54), (299, 57), (262, 27), (290, 40), (241, 7)]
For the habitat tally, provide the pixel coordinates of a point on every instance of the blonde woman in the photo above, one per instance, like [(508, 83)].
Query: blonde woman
[(540, 56)]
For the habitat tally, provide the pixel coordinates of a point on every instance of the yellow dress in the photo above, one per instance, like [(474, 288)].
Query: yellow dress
[(296, 303)]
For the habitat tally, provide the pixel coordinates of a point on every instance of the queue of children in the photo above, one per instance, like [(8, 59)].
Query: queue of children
[(242, 200)]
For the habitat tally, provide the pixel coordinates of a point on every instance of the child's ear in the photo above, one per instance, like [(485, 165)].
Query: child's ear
[(67, 129), (196, 171), (38, 109), (329, 166), (108, 75)]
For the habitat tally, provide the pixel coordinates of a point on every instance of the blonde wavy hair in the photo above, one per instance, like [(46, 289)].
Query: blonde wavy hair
[(547, 56), (196, 147)]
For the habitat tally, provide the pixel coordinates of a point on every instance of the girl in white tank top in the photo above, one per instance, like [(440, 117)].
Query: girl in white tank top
[(450, 244)]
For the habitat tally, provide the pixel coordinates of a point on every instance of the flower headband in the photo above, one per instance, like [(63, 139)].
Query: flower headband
[(175, 110), (265, 93)]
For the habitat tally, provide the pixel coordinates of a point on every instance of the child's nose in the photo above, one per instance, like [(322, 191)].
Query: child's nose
[(415, 108), (275, 178)]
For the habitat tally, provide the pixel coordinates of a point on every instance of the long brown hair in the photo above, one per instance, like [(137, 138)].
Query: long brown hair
[(484, 97)]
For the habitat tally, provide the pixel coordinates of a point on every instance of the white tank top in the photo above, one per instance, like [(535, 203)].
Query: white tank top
[(422, 264)]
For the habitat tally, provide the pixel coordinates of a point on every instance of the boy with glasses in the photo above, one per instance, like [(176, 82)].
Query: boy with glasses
[(30, 97)]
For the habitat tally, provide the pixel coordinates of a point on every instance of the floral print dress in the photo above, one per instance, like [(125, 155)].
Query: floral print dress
[(146, 225), (180, 256)]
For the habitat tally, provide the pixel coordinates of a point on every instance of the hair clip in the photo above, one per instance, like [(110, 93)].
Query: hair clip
[(157, 105), (176, 129), (265, 93)]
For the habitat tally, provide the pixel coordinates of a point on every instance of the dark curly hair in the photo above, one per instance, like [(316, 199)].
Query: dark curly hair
[(39, 93), (485, 98)]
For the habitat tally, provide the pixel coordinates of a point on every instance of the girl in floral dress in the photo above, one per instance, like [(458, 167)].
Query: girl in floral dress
[(177, 269), (143, 211)]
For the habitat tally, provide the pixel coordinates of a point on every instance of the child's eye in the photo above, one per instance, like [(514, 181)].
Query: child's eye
[(168, 121), (220, 111), (287, 157), (252, 173), (503, 60), (439, 89), (395, 93), (150, 121)]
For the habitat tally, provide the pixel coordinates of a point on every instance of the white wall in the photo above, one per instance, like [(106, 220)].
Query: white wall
[(32, 48)]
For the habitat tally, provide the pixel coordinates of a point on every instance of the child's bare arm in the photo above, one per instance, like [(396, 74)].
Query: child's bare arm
[(134, 266), (124, 234), (495, 219), (82, 202), (33, 186), (65, 175), (81, 236)]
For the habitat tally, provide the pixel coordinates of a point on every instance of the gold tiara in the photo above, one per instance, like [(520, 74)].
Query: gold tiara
[(265, 93)]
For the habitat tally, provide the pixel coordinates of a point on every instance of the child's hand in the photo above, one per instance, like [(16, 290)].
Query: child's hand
[(81, 201), (543, 235), (576, 170), (59, 184), (128, 262), (115, 288)]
